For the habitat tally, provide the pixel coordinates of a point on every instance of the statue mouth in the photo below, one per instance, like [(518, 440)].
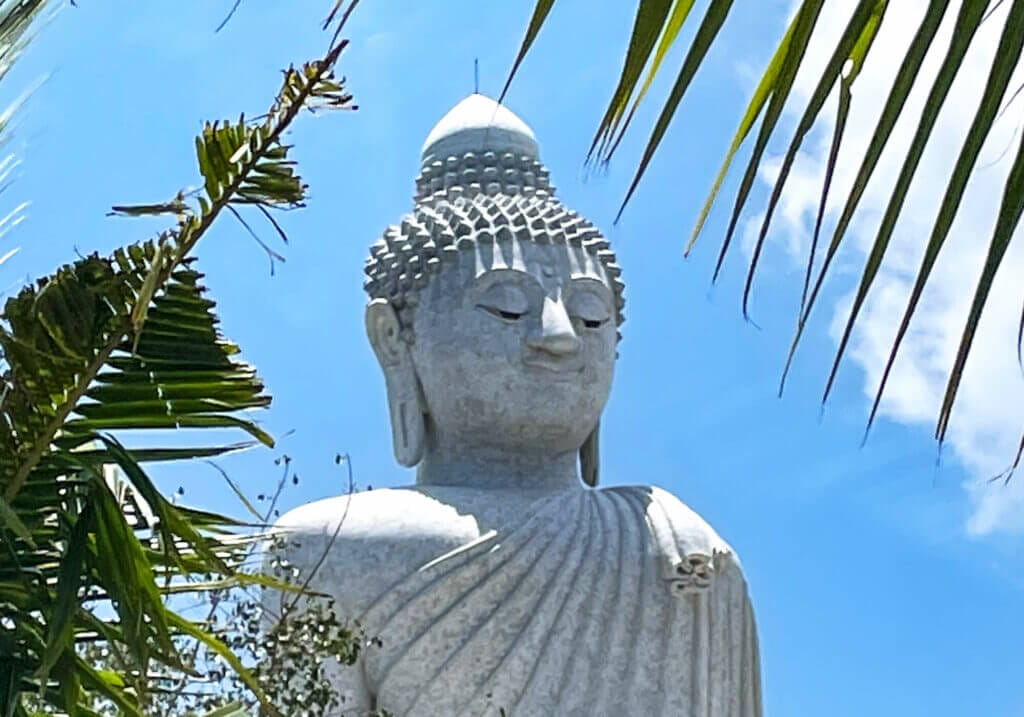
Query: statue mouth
[(564, 369)]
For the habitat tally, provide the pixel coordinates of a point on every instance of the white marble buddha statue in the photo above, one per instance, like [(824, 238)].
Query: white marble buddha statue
[(504, 581)]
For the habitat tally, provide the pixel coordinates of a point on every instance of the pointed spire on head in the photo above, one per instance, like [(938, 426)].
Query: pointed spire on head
[(479, 124)]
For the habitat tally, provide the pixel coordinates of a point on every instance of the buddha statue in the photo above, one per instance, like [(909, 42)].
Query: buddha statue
[(504, 581)]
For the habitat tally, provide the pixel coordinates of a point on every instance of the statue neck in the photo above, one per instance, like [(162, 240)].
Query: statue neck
[(497, 468)]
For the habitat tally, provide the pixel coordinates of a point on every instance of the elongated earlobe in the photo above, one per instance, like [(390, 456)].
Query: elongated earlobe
[(408, 425), (405, 398), (590, 458)]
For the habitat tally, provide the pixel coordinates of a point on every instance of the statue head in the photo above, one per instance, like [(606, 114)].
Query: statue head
[(494, 310)]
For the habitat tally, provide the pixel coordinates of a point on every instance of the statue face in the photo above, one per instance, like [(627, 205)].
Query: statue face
[(520, 354)]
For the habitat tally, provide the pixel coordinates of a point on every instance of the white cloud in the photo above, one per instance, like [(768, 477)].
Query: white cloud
[(989, 414)]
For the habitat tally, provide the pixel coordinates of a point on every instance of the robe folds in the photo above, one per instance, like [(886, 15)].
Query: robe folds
[(597, 603)]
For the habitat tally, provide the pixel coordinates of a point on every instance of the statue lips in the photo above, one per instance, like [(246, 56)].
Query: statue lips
[(564, 369)]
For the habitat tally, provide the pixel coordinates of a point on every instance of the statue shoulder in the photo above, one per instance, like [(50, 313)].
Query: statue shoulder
[(360, 543), (389, 512), (677, 530)]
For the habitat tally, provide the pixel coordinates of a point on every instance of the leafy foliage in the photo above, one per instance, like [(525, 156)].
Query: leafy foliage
[(129, 344), (288, 644), (656, 29), (66, 387)]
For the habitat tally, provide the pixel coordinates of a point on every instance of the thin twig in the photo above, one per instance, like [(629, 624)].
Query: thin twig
[(330, 543), (273, 222), (231, 13), (271, 254), (344, 18)]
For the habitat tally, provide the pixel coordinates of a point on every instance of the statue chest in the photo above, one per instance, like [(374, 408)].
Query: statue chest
[(619, 601)]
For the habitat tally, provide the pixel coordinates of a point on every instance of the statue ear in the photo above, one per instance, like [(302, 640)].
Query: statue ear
[(405, 398), (590, 459)]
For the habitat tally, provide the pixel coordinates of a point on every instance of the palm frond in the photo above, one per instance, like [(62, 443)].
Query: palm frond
[(706, 33), (658, 24), (105, 347), (180, 372)]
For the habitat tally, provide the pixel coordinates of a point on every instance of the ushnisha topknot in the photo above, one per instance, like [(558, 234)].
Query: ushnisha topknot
[(488, 189)]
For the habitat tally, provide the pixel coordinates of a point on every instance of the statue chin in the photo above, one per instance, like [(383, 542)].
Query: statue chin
[(498, 584), (505, 433)]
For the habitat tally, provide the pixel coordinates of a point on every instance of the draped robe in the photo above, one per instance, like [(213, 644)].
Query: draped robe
[(617, 601)]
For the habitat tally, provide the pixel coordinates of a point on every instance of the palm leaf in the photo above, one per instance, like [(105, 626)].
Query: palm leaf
[(891, 111), (852, 47), (765, 88), (658, 21), (107, 346), (180, 319), (651, 17), (1006, 58), (1005, 61), (706, 34), (803, 26), (1009, 218), (970, 18), (540, 14)]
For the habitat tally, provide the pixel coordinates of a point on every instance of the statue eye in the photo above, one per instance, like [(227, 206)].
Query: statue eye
[(504, 301), (502, 314), (589, 309)]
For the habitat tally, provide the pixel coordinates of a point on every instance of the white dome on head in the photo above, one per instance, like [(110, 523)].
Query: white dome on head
[(479, 124)]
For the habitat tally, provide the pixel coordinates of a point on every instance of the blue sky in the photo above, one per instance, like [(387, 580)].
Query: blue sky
[(872, 595)]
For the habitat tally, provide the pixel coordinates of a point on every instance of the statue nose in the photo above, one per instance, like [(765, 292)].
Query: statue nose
[(556, 335)]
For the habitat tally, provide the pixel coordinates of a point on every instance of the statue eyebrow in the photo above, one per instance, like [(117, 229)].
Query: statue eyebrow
[(585, 279), (493, 276)]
